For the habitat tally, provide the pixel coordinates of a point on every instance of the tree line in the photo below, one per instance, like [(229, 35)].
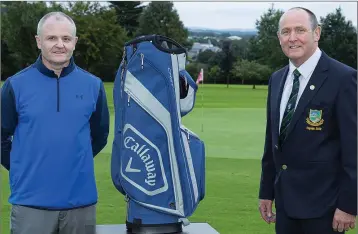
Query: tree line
[(252, 60), (104, 27)]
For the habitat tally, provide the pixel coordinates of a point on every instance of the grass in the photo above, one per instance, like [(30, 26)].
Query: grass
[(231, 121)]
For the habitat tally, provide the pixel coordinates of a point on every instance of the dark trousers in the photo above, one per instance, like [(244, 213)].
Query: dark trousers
[(287, 225)]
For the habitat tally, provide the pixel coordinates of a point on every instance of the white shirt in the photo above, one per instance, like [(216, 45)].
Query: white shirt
[(306, 70)]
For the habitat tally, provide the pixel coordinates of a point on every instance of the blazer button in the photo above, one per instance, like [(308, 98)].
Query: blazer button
[(284, 167)]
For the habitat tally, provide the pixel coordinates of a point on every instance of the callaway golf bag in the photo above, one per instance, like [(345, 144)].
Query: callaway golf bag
[(157, 163)]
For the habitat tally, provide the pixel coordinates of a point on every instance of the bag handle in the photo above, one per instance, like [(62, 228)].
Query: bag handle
[(162, 43)]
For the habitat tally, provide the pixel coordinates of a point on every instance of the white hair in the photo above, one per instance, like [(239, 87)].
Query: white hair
[(59, 16)]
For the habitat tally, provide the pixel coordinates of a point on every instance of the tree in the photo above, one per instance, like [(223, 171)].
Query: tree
[(161, 18), (265, 48), (214, 73), (99, 47), (128, 14), (239, 48), (100, 39), (217, 58), (251, 70), (205, 56), (227, 62), (339, 38), (8, 62), (192, 69), (19, 26)]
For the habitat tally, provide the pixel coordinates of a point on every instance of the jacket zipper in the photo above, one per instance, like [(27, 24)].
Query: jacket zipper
[(58, 94)]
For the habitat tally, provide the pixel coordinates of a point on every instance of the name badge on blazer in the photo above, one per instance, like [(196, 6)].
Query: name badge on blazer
[(314, 120)]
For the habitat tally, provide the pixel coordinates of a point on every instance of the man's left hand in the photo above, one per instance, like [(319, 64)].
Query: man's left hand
[(342, 221)]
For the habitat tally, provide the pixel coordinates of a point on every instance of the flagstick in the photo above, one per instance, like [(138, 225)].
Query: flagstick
[(202, 104)]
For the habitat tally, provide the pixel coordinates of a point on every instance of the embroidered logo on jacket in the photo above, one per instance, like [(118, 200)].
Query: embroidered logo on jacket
[(314, 119)]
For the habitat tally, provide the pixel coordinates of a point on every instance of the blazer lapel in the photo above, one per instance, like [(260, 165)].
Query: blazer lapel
[(317, 79), (278, 101)]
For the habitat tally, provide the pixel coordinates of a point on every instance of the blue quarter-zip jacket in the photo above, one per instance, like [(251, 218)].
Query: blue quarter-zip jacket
[(51, 129)]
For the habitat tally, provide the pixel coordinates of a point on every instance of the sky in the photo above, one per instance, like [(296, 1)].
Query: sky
[(243, 15)]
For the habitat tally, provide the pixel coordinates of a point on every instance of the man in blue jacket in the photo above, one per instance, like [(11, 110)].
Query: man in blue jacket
[(309, 165), (54, 121)]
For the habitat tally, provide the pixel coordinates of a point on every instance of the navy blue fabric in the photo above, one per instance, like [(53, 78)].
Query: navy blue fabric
[(315, 170), (285, 224), (47, 72), (51, 129)]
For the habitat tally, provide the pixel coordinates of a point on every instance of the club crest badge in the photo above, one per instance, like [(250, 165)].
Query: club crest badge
[(315, 118)]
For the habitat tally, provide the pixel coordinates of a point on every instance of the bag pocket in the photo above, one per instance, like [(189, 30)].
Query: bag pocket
[(115, 161), (195, 161)]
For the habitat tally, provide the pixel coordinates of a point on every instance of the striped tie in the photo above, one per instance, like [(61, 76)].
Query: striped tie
[(290, 108)]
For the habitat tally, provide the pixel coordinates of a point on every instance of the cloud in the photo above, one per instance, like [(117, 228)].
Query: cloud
[(221, 15)]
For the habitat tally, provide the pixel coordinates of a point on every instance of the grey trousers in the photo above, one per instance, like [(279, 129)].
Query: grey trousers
[(25, 220)]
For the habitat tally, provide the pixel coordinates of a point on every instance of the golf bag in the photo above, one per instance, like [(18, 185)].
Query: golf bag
[(157, 163)]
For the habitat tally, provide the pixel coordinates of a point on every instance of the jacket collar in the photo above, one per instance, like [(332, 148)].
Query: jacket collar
[(47, 72)]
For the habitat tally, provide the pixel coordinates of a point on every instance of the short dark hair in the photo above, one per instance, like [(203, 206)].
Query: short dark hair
[(313, 18)]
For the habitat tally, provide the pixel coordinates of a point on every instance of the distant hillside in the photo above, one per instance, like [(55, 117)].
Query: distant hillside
[(197, 31)]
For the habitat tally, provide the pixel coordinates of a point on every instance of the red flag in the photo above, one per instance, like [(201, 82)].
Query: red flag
[(200, 77)]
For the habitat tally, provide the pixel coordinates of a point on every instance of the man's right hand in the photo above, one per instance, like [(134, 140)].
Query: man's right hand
[(265, 207)]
